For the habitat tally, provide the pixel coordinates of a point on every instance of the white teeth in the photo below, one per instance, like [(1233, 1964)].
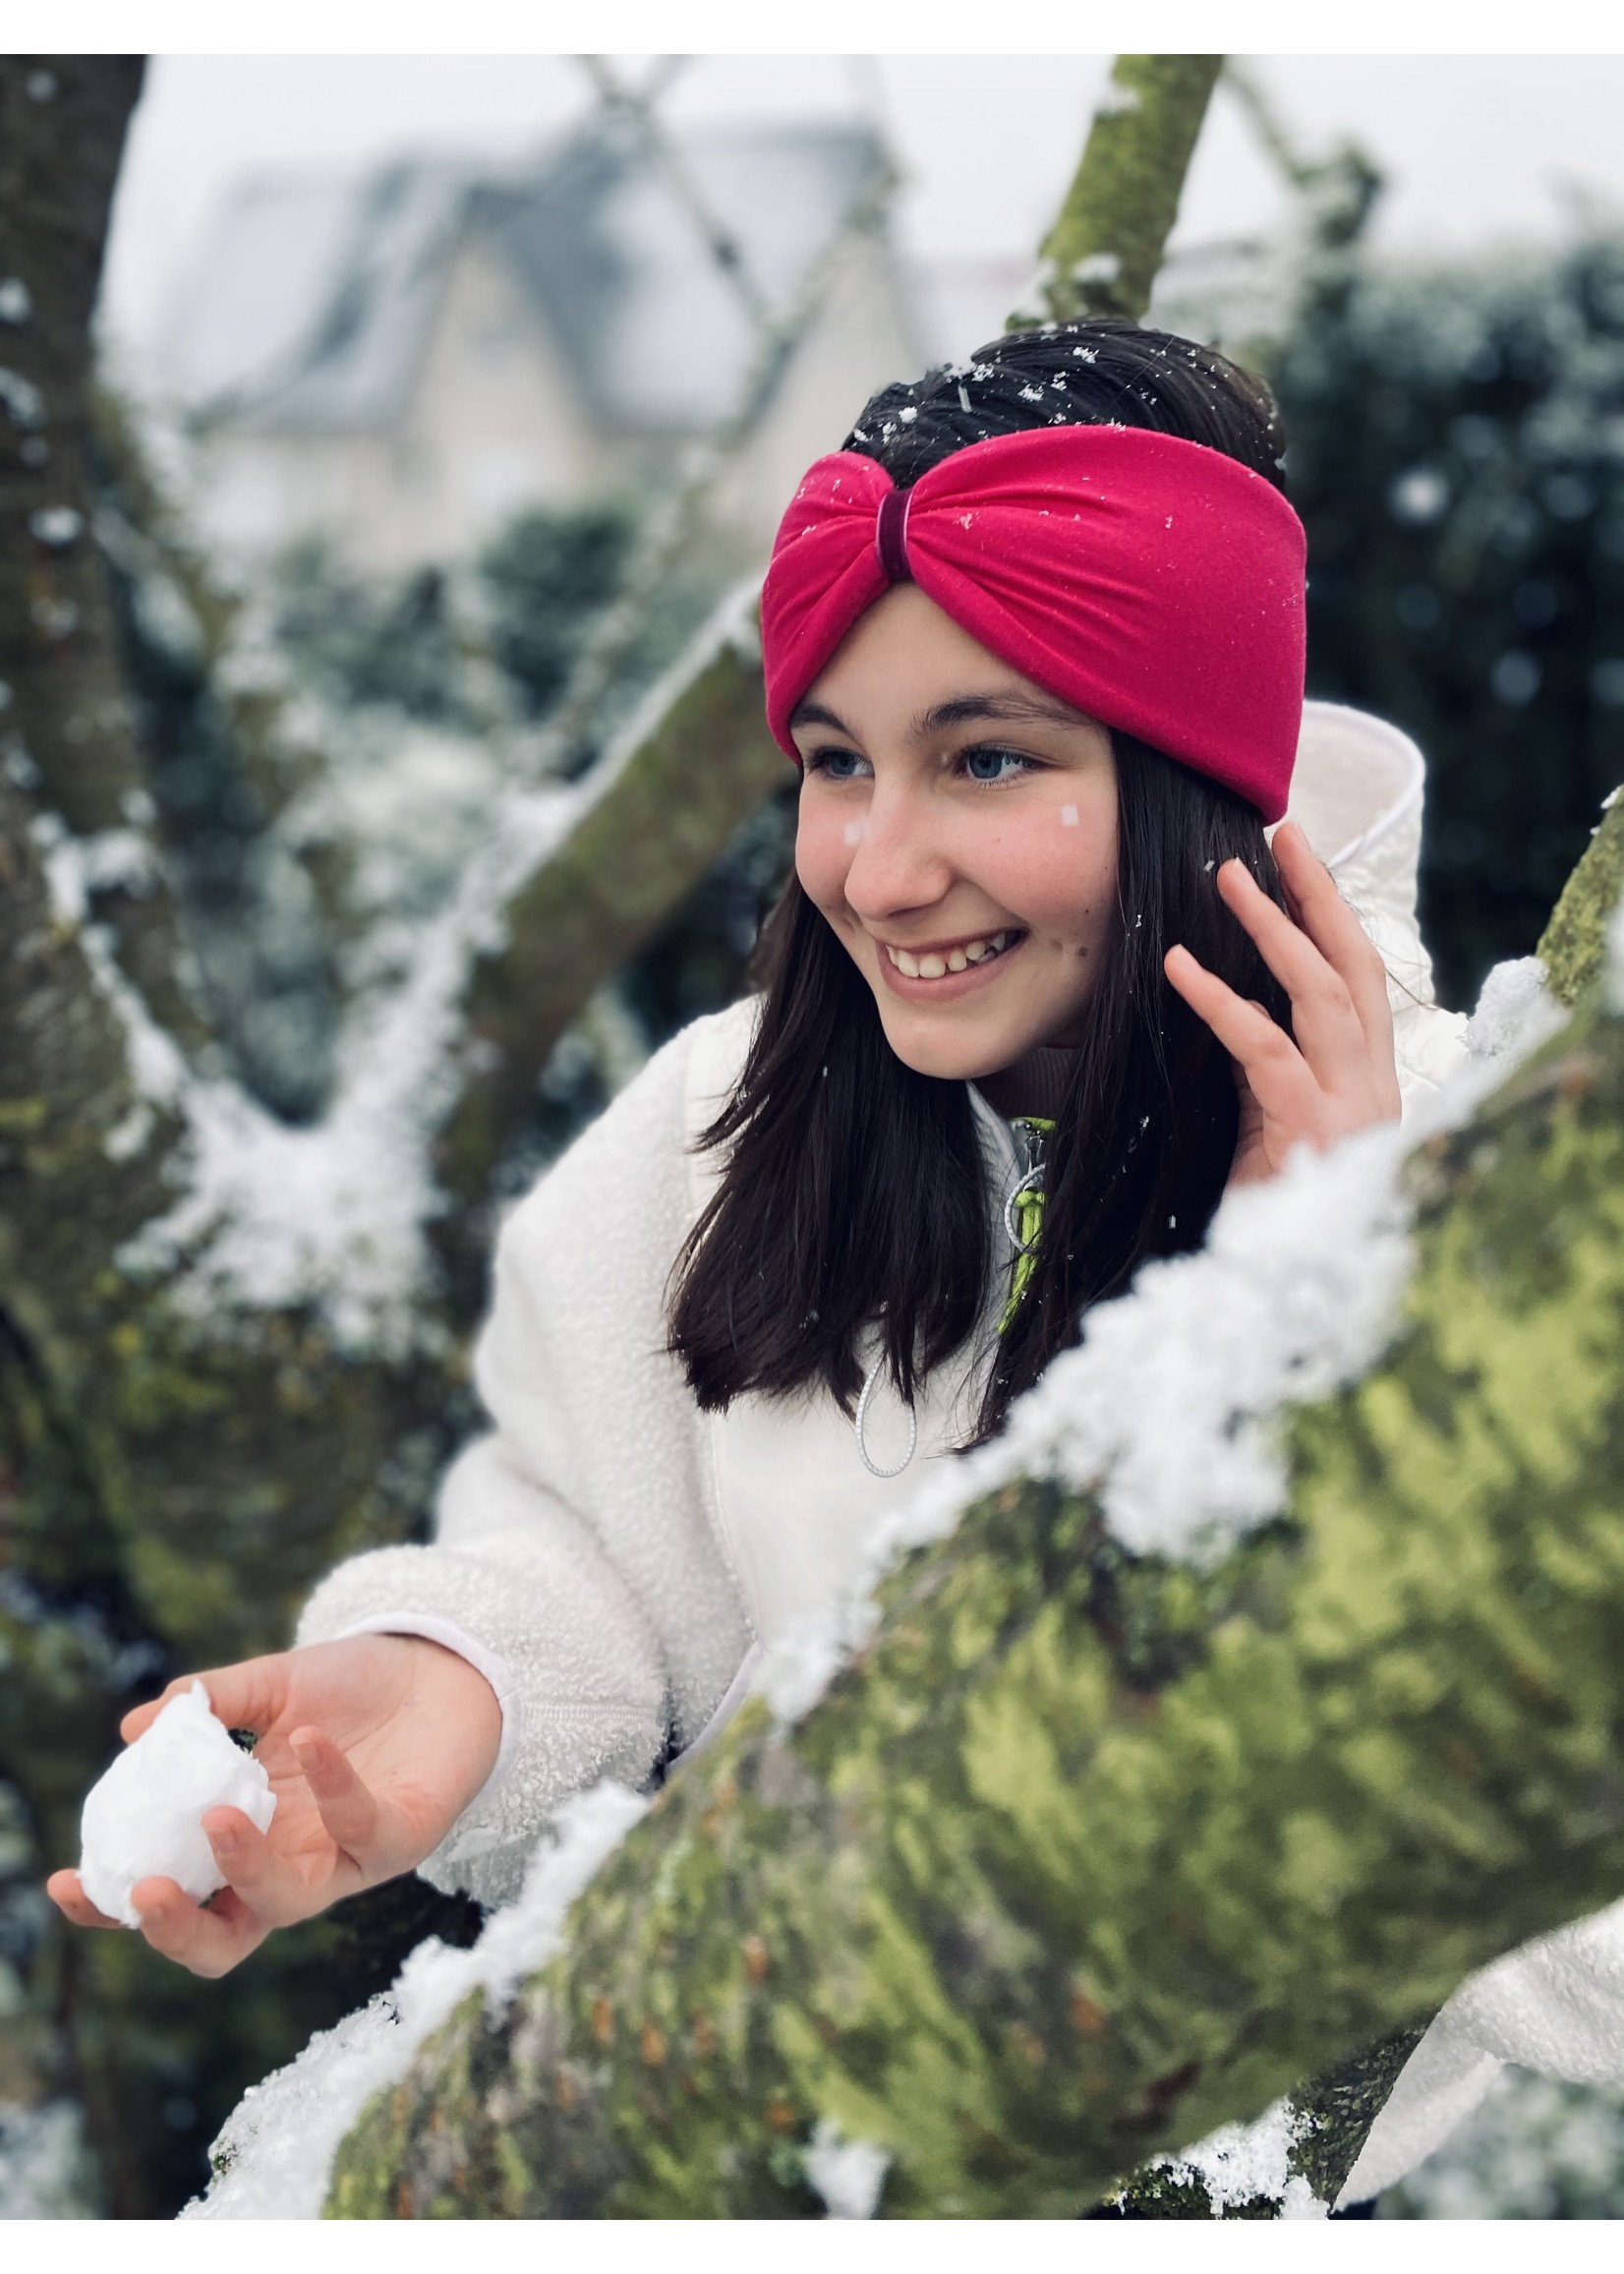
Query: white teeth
[(937, 964)]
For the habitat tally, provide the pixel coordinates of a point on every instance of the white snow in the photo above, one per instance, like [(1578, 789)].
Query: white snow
[(55, 526), (143, 1819), (1516, 1012), (1169, 1409), (274, 2156), (336, 1215), (21, 400), (848, 2173), (1240, 2161), (44, 2170)]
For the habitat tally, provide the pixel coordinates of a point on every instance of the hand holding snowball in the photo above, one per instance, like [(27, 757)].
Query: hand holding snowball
[(370, 1748), (144, 1817)]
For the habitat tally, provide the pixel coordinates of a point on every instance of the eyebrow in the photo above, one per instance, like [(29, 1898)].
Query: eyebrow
[(1007, 710), (815, 714)]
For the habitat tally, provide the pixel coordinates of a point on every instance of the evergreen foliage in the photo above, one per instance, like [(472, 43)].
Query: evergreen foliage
[(547, 574), (358, 640), (1455, 451)]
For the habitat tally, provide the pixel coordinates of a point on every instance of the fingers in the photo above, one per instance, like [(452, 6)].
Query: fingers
[(209, 1941), (1332, 974), (1271, 1062), (280, 1889), (248, 1696), (1320, 911), (70, 1899), (348, 1810)]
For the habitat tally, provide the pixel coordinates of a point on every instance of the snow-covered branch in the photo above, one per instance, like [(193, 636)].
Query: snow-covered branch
[(1197, 1808)]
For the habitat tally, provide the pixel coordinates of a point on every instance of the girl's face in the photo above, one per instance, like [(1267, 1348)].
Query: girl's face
[(959, 829)]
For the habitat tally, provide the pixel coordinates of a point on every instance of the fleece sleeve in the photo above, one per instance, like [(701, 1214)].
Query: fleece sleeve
[(578, 1546)]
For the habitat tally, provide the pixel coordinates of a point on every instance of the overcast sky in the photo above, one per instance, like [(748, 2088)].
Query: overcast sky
[(1474, 147)]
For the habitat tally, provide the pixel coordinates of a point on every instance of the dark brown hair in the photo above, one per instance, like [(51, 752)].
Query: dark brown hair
[(855, 1190)]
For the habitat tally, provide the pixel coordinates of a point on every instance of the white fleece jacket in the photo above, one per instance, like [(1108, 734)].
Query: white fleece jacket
[(611, 1557)]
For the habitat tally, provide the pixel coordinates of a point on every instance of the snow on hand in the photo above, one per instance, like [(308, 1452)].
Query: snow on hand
[(144, 1816)]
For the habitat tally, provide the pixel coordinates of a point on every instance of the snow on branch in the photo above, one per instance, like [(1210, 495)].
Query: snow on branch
[(336, 1215)]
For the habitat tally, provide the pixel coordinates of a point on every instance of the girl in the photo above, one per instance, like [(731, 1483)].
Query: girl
[(1036, 992)]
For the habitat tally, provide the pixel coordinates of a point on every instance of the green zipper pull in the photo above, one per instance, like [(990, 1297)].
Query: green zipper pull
[(1024, 1210)]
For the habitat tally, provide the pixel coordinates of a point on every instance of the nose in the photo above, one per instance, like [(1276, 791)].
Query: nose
[(899, 861)]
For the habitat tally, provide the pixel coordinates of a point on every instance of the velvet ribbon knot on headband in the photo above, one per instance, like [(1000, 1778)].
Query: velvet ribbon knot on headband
[(1155, 584)]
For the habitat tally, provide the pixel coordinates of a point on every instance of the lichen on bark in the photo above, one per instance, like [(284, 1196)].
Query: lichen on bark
[(1102, 254), (1574, 945), (1024, 1908)]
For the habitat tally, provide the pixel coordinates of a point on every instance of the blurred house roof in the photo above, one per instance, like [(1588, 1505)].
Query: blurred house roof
[(312, 306)]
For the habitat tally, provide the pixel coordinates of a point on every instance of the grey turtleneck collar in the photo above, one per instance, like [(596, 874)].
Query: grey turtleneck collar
[(1033, 1087)]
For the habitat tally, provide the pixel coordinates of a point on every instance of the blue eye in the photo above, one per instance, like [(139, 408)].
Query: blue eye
[(990, 764), (838, 765)]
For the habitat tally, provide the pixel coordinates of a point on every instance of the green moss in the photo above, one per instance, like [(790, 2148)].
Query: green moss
[(1574, 943), (1102, 254), (1090, 1854)]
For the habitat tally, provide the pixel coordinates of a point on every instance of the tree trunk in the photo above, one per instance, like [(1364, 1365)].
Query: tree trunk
[(1091, 1853), (172, 1480), (65, 730), (1102, 254)]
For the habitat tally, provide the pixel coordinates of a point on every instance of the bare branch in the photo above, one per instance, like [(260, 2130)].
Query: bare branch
[(637, 103), (1102, 254), (674, 518), (663, 806), (683, 778)]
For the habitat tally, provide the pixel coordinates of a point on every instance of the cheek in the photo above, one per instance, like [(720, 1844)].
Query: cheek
[(822, 855), (1059, 874)]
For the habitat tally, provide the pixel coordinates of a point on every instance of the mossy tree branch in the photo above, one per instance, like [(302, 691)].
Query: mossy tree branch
[(1165, 1842), (1574, 944), (1102, 254), (656, 821)]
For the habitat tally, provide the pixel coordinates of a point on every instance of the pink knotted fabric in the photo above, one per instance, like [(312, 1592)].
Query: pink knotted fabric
[(1155, 584)]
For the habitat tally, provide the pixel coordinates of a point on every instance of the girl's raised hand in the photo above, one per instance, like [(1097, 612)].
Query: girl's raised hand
[(1334, 1073), (373, 1747)]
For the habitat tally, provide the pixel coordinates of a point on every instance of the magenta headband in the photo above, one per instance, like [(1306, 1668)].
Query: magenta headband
[(1153, 583)]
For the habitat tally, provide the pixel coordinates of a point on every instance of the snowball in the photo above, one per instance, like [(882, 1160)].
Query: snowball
[(848, 2173), (144, 1820)]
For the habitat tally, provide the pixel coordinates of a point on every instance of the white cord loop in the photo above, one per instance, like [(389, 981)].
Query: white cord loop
[(869, 1388), (1031, 1182)]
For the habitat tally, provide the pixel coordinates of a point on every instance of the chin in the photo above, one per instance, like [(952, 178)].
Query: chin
[(951, 1057)]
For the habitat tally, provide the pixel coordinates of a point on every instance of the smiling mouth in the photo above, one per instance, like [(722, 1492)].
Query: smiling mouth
[(963, 956)]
